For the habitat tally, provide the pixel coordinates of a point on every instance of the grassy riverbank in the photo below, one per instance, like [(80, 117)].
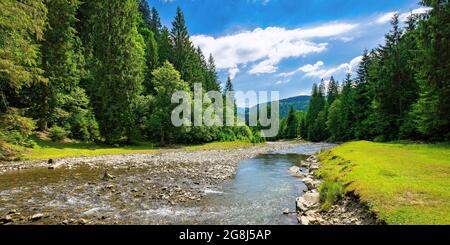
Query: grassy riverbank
[(46, 149), (402, 183)]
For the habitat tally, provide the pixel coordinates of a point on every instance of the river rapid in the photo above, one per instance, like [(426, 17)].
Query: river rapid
[(227, 187)]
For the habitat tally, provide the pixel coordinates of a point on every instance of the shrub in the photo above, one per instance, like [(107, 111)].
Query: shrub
[(57, 133), (16, 129), (330, 193), (257, 138), (84, 126)]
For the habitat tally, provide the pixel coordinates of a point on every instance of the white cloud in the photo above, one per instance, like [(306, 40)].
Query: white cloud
[(232, 72), (387, 17), (263, 2), (268, 46), (316, 70), (305, 69), (283, 81)]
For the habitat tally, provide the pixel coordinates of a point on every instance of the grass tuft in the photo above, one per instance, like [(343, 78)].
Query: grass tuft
[(330, 193)]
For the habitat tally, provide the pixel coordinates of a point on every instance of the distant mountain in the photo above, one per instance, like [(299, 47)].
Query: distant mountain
[(299, 103)]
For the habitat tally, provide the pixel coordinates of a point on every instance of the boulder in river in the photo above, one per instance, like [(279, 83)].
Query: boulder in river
[(36, 217), (312, 197), (6, 219), (309, 183), (107, 176), (294, 169)]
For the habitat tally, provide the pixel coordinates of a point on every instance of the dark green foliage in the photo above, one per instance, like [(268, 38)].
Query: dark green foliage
[(395, 89), (98, 70), (15, 128), (432, 110), (57, 133), (401, 91), (292, 125), (167, 80), (22, 25), (119, 54), (315, 120), (62, 101), (332, 91)]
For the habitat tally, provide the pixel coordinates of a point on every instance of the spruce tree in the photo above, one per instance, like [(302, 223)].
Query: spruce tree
[(347, 116), (332, 91), (396, 88), (119, 51), (432, 71), (292, 124), (181, 45), (61, 101), (165, 50), (362, 98), (151, 45), (155, 22)]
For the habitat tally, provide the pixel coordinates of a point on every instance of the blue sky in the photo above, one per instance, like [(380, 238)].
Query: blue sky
[(285, 45)]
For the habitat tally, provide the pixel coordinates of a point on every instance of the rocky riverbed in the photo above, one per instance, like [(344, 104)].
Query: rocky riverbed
[(114, 189), (347, 211)]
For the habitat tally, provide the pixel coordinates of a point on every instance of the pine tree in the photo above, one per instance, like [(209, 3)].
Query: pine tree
[(211, 75), (229, 89), (164, 46), (292, 124), (347, 116), (315, 109), (144, 9), (228, 85), (432, 71), (181, 45), (362, 98), (155, 22), (118, 49), (151, 45), (332, 91), (396, 88), (19, 48), (62, 102)]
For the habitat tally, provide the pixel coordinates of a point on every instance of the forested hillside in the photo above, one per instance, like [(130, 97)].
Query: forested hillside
[(100, 71), (401, 89)]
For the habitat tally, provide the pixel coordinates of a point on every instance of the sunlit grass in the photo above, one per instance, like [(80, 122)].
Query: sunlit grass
[(402, 183), (221, 145), (46, 149)]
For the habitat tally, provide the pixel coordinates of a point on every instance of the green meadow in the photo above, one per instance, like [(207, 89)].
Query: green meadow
[(401, 183)]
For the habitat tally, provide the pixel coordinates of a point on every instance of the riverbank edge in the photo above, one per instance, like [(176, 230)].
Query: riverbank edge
[(53, 163), (349, 210)]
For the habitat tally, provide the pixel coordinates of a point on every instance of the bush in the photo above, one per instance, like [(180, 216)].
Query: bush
[(84, 126), (330, 193), (257, 138), (57, 133), (16, 129)]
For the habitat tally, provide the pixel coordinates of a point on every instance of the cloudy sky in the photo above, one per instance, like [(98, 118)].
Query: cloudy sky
[(286, 45)]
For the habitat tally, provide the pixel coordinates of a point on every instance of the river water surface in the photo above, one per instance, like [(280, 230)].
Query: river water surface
[(259, 192), (262, 188)]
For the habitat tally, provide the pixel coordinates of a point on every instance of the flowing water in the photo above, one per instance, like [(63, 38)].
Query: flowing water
[(261, 189)]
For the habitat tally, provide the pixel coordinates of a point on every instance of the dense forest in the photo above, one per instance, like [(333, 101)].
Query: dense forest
[(401, 89), (104, 71), (99, 71)]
